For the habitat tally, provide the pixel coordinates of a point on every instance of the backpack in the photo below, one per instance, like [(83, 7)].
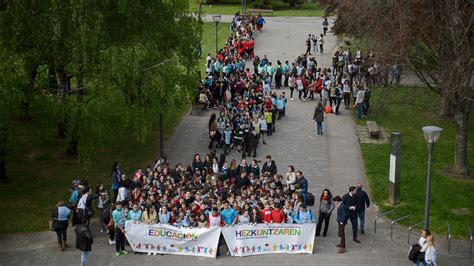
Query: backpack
[(414, 251), (310, 199), (337, 92)]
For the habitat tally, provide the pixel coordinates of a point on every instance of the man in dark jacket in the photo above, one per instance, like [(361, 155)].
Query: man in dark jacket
[(83, 241), (350, 202), (362, 201), (303, 185), (318, 117), (252, 144), (341, 223), (269, 167)]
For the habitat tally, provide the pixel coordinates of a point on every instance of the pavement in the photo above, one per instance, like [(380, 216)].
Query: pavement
[(329, 161)]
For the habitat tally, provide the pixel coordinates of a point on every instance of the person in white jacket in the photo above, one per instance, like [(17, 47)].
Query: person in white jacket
[(430, 251), (290, 178)]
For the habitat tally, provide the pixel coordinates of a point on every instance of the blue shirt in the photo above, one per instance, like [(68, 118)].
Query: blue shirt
[(304, 217), (134, 215), (164, 218), (63, 213), (228, 215)]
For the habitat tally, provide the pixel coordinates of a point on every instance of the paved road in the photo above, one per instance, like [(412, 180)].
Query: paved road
[(330, 161)]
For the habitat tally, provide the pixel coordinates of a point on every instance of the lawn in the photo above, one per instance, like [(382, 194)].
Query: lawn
[(407, 110), (305, 10), (209, 41), (39, 176)]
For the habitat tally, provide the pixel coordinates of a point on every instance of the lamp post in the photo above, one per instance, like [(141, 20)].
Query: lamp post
[(217, 19), (432, 134), (244, 6)]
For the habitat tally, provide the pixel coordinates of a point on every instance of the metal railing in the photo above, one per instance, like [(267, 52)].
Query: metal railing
[(412, 227), (448, 237), (380, 216), (469, 239), (396, 220)]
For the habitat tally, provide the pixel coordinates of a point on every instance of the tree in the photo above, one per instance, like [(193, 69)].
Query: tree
[(433, 37), (111, 50)]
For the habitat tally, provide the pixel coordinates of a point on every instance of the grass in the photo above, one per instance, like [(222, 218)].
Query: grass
[(209, 41), (447, 194), (230, 8), (39, 176)]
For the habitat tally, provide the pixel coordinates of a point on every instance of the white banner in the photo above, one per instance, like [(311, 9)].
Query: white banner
[(167, 239), (248, 240)]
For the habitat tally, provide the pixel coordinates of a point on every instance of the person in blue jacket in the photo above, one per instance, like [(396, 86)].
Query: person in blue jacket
[(303, 215)]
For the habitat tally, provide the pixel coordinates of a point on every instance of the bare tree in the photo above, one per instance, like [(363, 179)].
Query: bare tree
[(433, 37)]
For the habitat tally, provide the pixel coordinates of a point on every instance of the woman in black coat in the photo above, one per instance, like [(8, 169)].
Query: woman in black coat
[(83, 242)]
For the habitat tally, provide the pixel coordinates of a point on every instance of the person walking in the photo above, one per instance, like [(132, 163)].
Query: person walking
[(419, 258), (325, 26), (363, 201), (278, 75), (291, 85), (359, 105), (346, 88), (321, 43), (60, 223), (308, 45), (318, 117), (350, 203), (103, 205), (314, 42), (286, 72), (83, 241), (430, 251), (326, 206), (341, 223)]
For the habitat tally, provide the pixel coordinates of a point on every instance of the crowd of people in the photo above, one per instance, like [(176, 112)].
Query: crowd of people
[(213, 192), (248, 107), (205, 194)]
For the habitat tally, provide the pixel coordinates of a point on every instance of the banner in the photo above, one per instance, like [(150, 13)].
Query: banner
[(248, 240), (167, 239)]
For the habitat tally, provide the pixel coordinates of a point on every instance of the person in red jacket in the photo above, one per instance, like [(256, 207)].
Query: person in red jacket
[(267, 213), (278, 216)]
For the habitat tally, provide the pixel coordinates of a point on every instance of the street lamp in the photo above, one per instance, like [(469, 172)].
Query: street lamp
[(432, 134), (216, 19)]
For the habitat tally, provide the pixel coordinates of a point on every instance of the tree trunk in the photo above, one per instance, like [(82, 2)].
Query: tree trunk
[(445, 111), (461, 117), (61, 80), (73, 143), (31, 69), (71, 151)]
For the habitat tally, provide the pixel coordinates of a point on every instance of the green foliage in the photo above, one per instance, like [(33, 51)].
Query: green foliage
[(128, 60), (407, 110)]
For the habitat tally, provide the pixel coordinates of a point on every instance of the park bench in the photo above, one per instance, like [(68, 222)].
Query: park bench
[(373, 129), (260, 11)]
